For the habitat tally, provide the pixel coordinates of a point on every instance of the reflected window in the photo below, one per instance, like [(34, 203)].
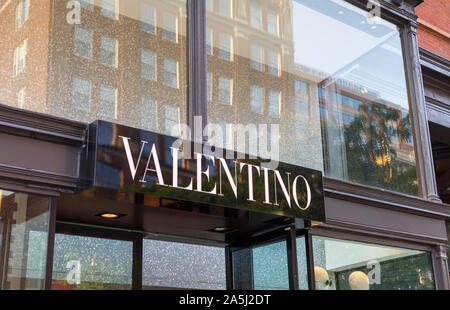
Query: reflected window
[(273, 63), (225, 85), (256, 57), (22, 13), (255, 15), (87, 4), (172, 120), (148, 65), (208, 4), (109, 51), (272, 22), (148, 18), (108, 101), (171, 72), (149, 114), (24, 221), (82, 42), (225, 7), (256, 98), (347, 265), (81, 93), (274, 103), (20, 57), (225, 43), (109, 8), (170, 27)]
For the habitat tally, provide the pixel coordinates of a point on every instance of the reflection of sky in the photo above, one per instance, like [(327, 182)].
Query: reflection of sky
[(333, 43)]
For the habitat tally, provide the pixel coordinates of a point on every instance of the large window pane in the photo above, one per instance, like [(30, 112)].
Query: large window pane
[(24, 224), (87, 263), (174, 265), (347, 265), (334, 84), (97, 64)]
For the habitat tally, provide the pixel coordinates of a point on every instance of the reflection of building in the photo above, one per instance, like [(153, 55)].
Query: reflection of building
[(110, 66)]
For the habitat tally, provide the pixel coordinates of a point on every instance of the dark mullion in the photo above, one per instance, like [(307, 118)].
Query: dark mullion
[(197, 103), (50, 244), (229, 268), (137, 263), (291, 241), (310, 261)]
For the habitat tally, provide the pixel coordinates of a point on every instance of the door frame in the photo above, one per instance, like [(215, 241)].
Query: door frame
[(289, 234)]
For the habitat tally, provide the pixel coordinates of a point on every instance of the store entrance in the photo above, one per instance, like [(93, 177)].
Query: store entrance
[(155, 243)]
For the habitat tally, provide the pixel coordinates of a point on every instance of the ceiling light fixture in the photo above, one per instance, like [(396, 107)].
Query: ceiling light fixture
[(110, 215)]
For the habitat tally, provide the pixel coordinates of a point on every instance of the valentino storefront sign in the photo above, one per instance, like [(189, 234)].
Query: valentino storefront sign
[(140, 161)]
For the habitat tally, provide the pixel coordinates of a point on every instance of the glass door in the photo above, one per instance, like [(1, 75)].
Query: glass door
[(267, 262)]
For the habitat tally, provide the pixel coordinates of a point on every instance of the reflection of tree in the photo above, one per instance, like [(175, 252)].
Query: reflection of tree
[(371, 157)]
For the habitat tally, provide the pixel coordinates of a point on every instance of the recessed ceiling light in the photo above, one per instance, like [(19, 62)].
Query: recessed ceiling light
[(110, 215), (374, 27), (220, 229), (341, 12)]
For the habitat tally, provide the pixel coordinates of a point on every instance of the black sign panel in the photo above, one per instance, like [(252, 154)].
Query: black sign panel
[(140, 161)]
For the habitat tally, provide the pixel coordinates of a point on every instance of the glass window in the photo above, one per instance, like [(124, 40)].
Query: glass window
[(209, 5), (255, 15), (109, 51), (22, 13), (273, 63), (172, 120), (58, 53), (172, 265), (347, 55), (149, 114), (224, 94), (24, 221), (256, 98), (262, 267), (148, 18), (108, 101), (87, 263), (225, 43), (256, 57), (20, 57), (171, 72), (81, 93), (87, 4), (109, 8), (82, 42), (225, 7), (272, 22), (170, 27), (148, 65), (274, 103), (348, 265)]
